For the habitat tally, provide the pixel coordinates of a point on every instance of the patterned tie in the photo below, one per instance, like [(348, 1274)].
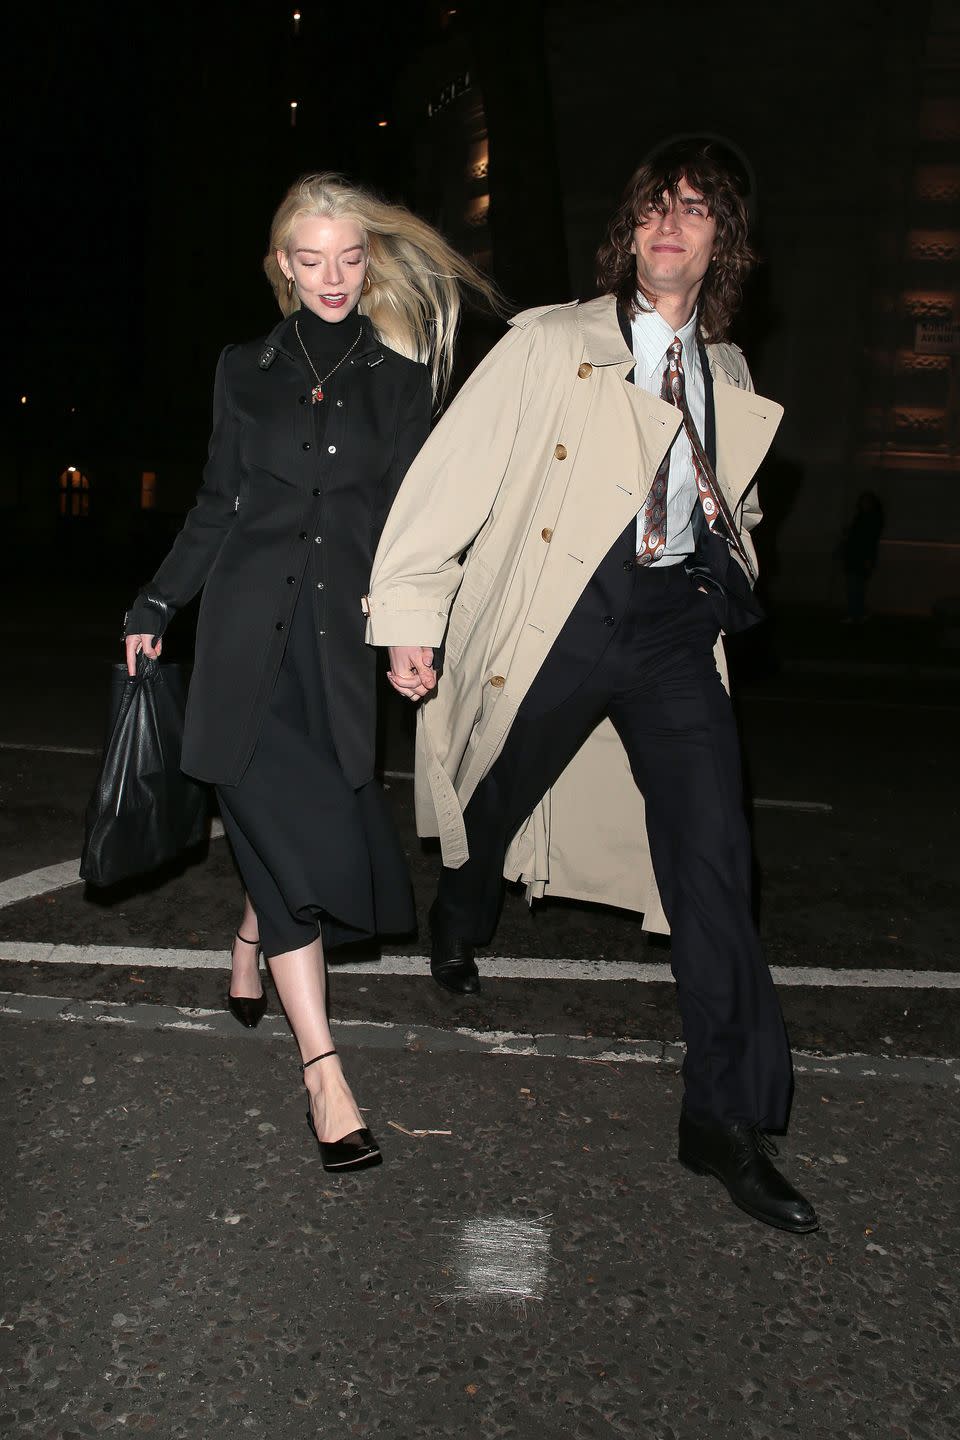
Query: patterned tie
[(715, 509), (654, 542)]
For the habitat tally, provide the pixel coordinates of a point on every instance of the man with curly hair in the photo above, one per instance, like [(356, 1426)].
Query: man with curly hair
[(576, 535)]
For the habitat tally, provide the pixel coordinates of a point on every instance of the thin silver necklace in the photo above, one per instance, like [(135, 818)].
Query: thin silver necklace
[(317, 391)]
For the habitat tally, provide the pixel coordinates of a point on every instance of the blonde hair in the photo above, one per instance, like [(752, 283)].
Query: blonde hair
[(416, 279)]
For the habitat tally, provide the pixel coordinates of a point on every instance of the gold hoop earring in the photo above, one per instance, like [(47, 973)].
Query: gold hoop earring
[(290, 287), (366, 287)]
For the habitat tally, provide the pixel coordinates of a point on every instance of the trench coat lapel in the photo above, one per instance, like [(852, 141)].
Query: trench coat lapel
[(745, 423), (657, 422)]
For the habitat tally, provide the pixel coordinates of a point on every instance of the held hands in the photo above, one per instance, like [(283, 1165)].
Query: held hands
[(134, 644), (411, 670)]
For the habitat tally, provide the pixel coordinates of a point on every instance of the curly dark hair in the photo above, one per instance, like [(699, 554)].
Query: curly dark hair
[(715, 173)]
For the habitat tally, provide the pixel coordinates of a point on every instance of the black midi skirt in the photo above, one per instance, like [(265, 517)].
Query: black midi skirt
[(315, 854)]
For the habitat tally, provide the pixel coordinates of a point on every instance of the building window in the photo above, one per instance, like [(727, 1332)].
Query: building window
[(74, 493), (148, 490)]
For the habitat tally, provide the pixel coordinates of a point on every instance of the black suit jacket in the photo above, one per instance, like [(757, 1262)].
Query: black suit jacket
[(272, 485)]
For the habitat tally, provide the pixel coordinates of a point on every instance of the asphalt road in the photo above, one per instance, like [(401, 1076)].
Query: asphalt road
[(535, 1264)]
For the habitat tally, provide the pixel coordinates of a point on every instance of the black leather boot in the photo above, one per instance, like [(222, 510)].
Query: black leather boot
[(739, 1156), (451, 959)]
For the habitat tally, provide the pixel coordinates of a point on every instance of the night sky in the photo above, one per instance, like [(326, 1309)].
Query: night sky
[(153, 143)]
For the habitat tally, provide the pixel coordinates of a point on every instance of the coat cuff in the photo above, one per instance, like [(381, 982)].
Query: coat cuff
[(402, 627), (148, 615)]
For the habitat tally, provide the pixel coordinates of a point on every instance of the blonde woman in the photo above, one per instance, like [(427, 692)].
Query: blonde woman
[(313, 429)]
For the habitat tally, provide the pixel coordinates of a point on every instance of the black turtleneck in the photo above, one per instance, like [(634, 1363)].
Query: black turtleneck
[(327, 340)]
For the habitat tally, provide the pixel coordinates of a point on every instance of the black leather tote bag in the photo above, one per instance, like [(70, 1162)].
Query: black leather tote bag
[(144, 810)]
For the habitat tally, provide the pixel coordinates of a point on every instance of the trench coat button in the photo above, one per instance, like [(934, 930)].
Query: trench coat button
[(497, 681), (306, 445), (609, 620), (303, 534), (585, 371), (546, 534), (316, 490), (331, 449), (291, 580), (560, 453), (302, 399), (279, 625)]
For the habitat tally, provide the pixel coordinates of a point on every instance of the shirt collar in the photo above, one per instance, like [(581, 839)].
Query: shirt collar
[(652, 336)]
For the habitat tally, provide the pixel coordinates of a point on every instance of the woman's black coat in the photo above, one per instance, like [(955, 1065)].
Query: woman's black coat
[(272, 515)]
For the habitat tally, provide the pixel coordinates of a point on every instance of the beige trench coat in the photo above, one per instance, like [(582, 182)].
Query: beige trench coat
[(540, 463)]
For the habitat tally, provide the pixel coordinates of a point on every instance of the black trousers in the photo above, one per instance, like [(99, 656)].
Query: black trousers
[(656, 679)]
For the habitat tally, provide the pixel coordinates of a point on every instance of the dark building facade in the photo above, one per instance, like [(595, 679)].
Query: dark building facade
[(849, 117), (513, 127)]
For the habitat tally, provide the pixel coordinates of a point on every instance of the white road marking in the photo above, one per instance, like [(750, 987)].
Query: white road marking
[(136, 957), (380, 1035), (58, 877), (502, 1258), (39, 882)]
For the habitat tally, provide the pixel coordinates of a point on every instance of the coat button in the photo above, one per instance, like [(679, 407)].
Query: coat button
[(629, 564), (302, 399), (497, 681), (331, 449), (318, 539), (560, 453), (546, 534), (291, 580), (279, 625), (303, 534), (319, 584), (585, 371), (305, 445), (316, 492), (609, 620), (339, 407)]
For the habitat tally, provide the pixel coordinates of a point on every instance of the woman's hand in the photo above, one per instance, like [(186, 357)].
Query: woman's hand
[(134, 644), (411, 670)]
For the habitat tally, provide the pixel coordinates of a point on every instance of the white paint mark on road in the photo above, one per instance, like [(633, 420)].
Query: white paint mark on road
[(136, 957), (502, 1258), (58, 877), (39, 882)]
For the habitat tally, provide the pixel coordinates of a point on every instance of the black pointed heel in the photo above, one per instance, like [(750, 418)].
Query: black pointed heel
[(356, 1151), (248, 1011)]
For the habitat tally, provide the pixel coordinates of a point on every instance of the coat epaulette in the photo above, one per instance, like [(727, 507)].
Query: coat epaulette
[(526, 317)]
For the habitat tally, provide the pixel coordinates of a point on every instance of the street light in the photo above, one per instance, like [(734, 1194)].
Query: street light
[(293, 114), (296, 22)]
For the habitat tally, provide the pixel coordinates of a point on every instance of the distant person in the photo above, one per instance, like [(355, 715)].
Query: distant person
[(859, 549), (314, 427), (598, 469)]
